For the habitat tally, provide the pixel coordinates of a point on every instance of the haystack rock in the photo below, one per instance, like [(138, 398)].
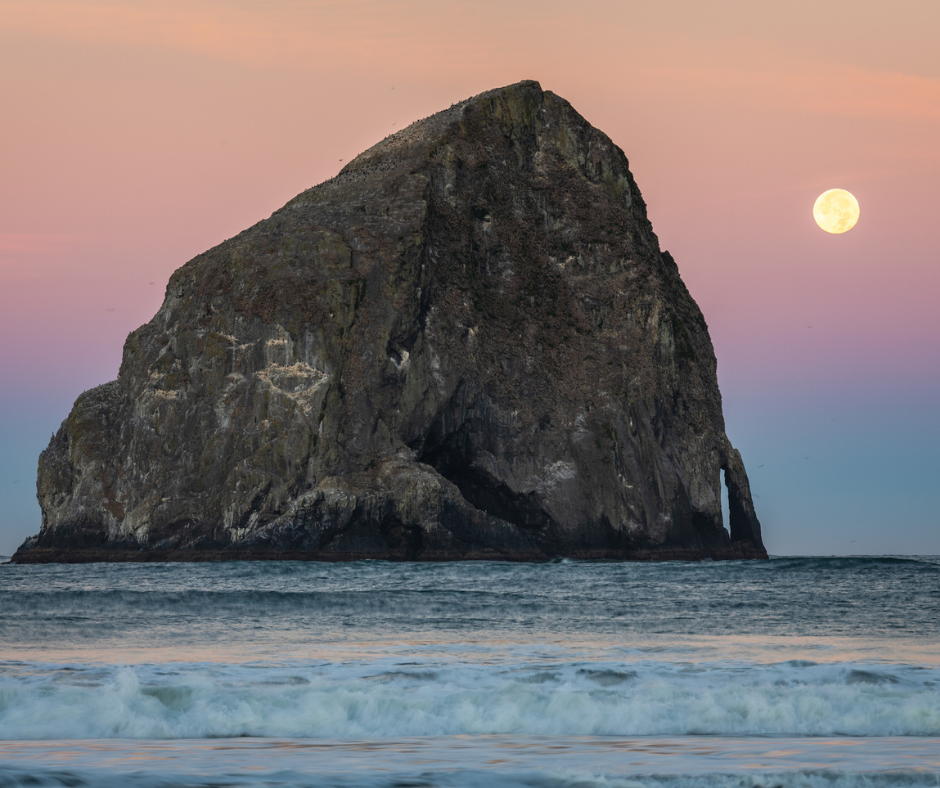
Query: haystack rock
[(466, 345)]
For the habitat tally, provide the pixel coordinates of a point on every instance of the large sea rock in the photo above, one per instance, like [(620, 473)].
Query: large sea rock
[(467, 344)]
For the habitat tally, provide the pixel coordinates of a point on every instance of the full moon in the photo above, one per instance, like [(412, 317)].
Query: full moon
[(836, 211)]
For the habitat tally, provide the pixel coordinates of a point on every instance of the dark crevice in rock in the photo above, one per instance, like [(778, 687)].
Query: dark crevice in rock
[(482, 490)]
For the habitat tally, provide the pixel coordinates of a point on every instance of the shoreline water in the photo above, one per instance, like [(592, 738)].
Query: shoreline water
[(792, 672), (584, 762)]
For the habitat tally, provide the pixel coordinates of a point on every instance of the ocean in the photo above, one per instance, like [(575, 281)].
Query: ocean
[(788, 672)]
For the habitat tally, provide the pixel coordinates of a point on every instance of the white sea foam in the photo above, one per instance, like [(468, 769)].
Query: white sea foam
[(433, 698)]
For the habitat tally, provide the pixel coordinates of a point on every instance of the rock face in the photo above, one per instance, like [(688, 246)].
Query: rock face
[(465, 345)]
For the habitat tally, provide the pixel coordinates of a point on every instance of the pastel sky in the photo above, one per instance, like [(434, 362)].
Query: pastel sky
[(134, 135)]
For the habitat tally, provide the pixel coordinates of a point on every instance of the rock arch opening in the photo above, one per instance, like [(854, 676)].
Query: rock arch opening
[(725, 505)]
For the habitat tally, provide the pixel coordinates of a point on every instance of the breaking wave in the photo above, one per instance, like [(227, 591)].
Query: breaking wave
[(428, 698)]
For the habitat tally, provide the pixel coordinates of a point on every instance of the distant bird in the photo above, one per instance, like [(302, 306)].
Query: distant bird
[(340, 159), (151, 283), (109, 309), (17, 481), (760, 466), (853, 541)]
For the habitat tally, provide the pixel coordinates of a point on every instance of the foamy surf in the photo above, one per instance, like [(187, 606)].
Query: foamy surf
[(436, 698)]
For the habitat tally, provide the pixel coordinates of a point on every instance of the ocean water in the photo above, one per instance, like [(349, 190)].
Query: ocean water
[(789, 672)]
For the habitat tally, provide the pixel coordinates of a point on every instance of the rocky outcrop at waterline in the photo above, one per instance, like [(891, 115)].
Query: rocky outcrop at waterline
[(466, 345)]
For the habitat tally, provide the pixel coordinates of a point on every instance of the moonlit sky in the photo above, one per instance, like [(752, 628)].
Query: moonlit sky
[(134, 135)]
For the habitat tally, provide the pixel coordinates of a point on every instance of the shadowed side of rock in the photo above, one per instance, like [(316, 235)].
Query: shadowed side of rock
[(466, 345)]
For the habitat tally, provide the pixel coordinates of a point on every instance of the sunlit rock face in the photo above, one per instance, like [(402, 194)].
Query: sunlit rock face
[(465, 345)]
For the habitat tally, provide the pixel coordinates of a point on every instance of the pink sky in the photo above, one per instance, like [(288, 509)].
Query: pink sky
[(137, 134)]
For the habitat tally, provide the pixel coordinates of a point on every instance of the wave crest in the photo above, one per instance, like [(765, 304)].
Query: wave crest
[(394, 699)]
